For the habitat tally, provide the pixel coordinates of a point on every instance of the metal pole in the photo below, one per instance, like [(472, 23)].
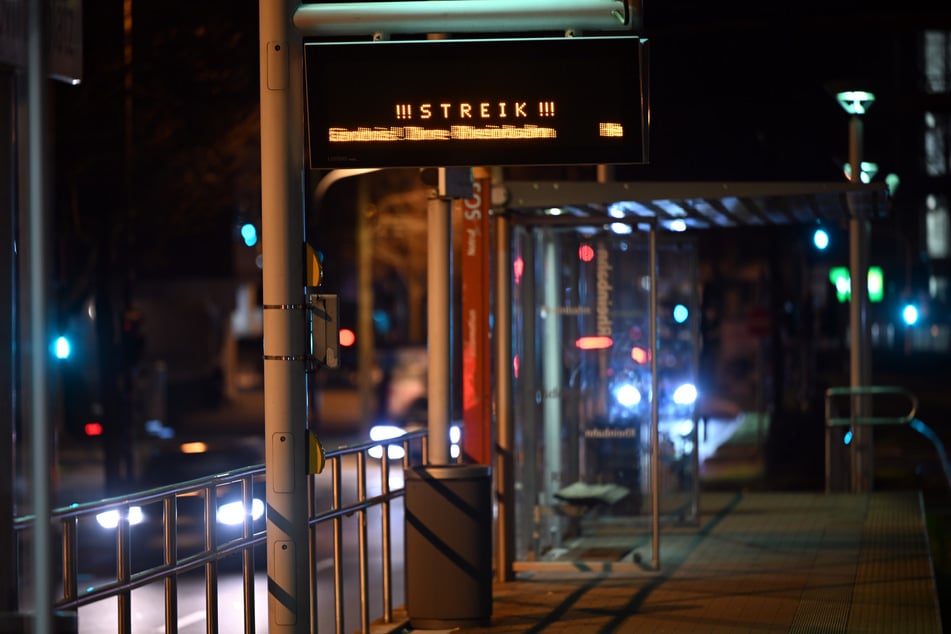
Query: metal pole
[(439, 315), (505, 430), (526, 382), (695, 337), (655, 435), (365, 343), (463, 16), (859, 358), (40, 472), (282, 234), (9, 588), (552, 369)]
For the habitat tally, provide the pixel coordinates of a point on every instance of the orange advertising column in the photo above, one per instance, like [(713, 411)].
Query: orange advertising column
[(476, 390)]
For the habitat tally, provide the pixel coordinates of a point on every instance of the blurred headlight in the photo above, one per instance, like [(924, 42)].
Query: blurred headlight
[(110, 519), (386, 432), (685, 394), (627, 395), (233, 513)]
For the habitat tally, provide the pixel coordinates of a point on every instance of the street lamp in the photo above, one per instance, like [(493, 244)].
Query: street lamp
[(866, 173), (856, 103)]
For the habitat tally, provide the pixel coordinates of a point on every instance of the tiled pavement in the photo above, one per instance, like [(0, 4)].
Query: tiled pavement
[(757, 562)]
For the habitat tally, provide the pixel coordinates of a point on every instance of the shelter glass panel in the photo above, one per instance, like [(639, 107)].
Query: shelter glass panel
[(583, 385)]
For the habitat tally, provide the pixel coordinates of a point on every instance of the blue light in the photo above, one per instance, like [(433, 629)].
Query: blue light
[(62, 347), (910, 314), (848, 438), (821, 239), (249, 234), (680, 313), (382, 321)]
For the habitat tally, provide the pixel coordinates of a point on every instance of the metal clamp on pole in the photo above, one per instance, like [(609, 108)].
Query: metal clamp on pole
[(324, 333), (286, 357)]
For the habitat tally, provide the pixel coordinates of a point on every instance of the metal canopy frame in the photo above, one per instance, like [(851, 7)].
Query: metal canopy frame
[(464, 16), (700, 204)]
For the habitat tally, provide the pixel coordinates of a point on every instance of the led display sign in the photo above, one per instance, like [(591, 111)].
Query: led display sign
[(439, 103)]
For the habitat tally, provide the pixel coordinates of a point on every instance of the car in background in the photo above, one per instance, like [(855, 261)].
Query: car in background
[(175, 462), (406, 407)]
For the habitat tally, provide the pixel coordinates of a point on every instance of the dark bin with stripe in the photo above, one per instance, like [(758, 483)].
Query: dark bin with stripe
[(448, 546)]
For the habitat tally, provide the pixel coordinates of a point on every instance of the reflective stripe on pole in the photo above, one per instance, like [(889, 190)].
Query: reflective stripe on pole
[(463, 16)]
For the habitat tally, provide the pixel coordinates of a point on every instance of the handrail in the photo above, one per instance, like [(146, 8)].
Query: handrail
[(70, 519), (929, 433), (910, 419), (869, 390)]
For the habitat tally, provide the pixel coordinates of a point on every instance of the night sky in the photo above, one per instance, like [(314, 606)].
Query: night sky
[(740, 90)]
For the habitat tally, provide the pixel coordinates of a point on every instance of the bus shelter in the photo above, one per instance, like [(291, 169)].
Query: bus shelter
[(596, 312)]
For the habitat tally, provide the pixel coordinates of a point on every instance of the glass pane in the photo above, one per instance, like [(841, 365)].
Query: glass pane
[(583, 389)]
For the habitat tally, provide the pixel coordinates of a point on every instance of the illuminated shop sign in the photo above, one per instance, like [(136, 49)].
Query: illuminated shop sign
[(546, 101)]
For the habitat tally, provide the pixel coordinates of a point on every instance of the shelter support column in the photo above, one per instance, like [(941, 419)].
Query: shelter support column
[(552, 369), (504, 407), (655, 410), (439, 315)]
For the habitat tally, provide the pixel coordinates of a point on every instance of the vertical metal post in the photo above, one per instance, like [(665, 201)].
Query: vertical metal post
[(282, 234), (695, 338), (552, 369), (40, 472), (365, 343), (655, 408), (386, 535), (505, 431), (859, 357), (439, 314), (526, 382), (9, 587)]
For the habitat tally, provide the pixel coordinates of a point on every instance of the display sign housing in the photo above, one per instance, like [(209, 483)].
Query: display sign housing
[(537, 101)]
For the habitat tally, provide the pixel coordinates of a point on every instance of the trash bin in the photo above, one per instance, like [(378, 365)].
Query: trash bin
[(448, 541)]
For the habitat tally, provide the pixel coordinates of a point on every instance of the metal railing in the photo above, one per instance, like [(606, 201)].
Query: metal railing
[(82, 528), (853, 418)]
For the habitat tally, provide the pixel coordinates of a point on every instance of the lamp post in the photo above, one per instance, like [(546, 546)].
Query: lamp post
[(856, 103)]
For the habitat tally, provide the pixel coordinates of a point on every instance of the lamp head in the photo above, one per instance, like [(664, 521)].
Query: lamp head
[(867, 171), (855, 101)]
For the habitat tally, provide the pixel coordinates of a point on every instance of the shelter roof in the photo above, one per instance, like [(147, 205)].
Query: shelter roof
[(699, 204)]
